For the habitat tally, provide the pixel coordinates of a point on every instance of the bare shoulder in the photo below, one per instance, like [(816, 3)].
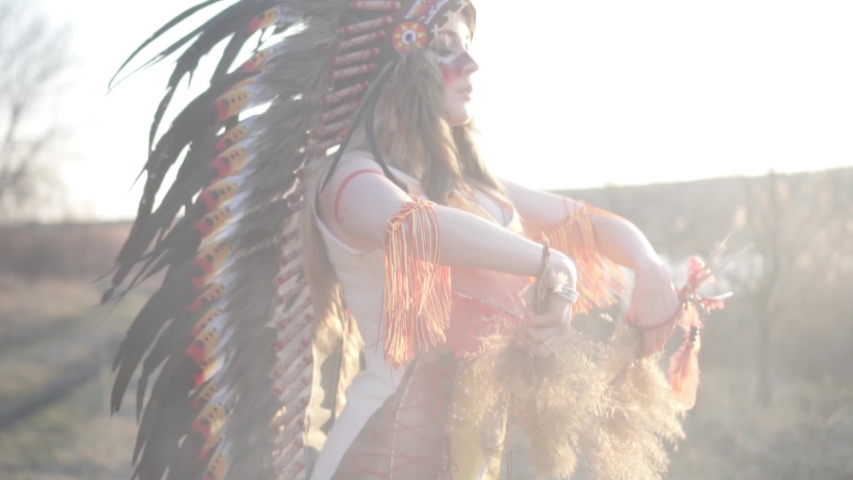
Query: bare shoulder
[(356, 196), (354, 161), (519, 193), (351, 163), (540, 209)]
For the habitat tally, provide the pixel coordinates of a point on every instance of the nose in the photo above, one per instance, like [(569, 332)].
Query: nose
[(469, 65)]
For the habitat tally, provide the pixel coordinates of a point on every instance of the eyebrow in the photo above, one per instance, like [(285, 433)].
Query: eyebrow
[(454, 34)]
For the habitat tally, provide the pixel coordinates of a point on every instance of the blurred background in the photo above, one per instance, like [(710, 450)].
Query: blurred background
[(698, 121)]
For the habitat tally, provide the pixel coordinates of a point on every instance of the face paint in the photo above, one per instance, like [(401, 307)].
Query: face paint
[(453, 69)]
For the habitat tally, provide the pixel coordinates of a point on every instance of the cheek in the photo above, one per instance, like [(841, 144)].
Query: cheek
[(453, 69), (448, 72)]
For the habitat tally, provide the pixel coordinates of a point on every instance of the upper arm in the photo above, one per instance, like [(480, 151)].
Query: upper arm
[(539, 210), (359, 201)]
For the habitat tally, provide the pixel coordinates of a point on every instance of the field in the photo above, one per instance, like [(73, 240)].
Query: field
[(50, 329), (51, 334), (777, 392)]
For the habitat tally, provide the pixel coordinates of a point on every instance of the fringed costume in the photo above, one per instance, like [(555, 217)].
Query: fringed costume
[(411, 373)]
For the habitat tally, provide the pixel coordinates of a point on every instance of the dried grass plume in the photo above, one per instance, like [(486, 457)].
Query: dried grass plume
[(588, 401)]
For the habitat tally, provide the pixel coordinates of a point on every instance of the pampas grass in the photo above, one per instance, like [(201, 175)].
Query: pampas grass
[(588, 401)]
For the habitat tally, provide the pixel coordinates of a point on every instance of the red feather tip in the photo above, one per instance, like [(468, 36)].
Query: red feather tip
[(197, 351)]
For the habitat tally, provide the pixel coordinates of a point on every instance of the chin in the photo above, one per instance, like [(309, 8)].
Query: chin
[(460, 116)]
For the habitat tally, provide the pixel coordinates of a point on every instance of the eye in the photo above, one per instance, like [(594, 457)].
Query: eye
[(442, 47)]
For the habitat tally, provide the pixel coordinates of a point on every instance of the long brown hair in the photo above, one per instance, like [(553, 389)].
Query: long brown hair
[(413, 136)]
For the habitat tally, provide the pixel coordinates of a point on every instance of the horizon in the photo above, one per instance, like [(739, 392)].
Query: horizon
[(37, 222), (655, 93)]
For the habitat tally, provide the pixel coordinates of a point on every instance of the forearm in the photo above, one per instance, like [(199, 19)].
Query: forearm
[(622, 242), (470, 241), (614, 237), (370, 207), (456, 238)]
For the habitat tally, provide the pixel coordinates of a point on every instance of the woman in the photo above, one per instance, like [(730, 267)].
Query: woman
[(409, 257)]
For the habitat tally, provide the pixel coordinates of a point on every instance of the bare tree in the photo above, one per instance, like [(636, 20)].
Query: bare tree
[(800, 226), (34, 59)]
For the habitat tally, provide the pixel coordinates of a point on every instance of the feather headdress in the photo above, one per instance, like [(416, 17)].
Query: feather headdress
[(231, 329)]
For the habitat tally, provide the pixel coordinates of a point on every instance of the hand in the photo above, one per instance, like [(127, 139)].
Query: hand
[(654, 305), (556, 320)]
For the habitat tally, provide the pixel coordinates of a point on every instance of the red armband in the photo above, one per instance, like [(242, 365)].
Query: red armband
[(344, 184), (601, 281)]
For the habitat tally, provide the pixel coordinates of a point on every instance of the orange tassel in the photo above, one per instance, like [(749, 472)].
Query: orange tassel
[(601, 280), (417, 299), (684, 369)]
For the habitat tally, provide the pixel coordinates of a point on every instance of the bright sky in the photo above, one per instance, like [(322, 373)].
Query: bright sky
[(569, 94)]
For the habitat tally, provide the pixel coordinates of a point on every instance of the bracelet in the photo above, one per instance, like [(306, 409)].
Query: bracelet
[(568, 293)]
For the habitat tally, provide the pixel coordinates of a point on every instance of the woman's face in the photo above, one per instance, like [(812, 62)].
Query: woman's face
[(451, 45)]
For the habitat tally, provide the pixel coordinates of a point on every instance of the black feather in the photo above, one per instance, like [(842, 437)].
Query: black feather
[(229, 55), (158, 337), (187, 464), (168, 26), (200, 113), (155, 358), (225, 24), (191, 125), (167, 418), (166, 302), (201, 151), (158, 117), (171, 343), (182, 239)]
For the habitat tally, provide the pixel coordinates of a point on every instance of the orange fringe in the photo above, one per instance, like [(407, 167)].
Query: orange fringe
[(417, 299), (601, 280)]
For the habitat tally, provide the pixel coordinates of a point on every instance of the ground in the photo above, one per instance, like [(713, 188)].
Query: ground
[(49, 327)]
